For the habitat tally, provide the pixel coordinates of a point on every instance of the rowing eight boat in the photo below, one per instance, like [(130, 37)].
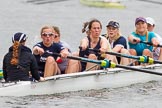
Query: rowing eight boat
[(108, 78)]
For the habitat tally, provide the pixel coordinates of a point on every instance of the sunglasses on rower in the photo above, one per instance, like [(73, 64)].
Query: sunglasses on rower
[(47, 34), (56, 35)]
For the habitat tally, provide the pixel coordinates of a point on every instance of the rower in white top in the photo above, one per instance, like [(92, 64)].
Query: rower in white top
[(150, 26)]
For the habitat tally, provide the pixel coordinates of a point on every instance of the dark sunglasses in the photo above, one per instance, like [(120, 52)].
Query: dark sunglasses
[(47, 34), (56, 35)]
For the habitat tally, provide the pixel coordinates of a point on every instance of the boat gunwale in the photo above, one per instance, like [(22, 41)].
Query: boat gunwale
[(55, 83), (98, 72), (84, 74)]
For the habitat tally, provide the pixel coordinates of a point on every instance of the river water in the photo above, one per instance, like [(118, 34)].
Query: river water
[(29, 16)]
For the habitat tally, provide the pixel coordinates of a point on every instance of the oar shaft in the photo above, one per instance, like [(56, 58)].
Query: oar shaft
[(108, 64), (148, 43), (157, 61), (80, 58), (142, 59), (139, 70), (102, 63), (117, 54), (70, 57), (122, 55)]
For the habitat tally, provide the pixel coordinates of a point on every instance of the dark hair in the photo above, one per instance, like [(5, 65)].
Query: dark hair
[(57, 30), (92, 21), (85, 27)]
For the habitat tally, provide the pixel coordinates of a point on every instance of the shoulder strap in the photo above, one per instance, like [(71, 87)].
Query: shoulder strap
[(89, 43)]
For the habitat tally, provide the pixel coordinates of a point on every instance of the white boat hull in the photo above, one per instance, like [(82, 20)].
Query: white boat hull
[(80, 81)]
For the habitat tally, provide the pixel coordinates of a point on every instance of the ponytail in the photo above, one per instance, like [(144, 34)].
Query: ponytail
[(15, 54)]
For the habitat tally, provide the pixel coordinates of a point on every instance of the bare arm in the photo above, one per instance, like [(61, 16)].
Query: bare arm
[(84, 43), (104, 45), (108, 44), (117, 48), (155, 41)]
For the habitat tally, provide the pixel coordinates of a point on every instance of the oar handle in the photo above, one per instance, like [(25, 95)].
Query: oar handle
[(159, 45), (134, 40), (96, 50), (148, 43), (70, 57), (58, 54)]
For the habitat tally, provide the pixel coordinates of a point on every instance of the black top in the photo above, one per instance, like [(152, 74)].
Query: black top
[(41, 59), (120, 41), (27, 62), (86, 52)]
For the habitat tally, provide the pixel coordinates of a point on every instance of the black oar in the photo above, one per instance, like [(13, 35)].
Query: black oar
[(142, 59), (139, 70), (148, 43), (76, 58), (109, 64)]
